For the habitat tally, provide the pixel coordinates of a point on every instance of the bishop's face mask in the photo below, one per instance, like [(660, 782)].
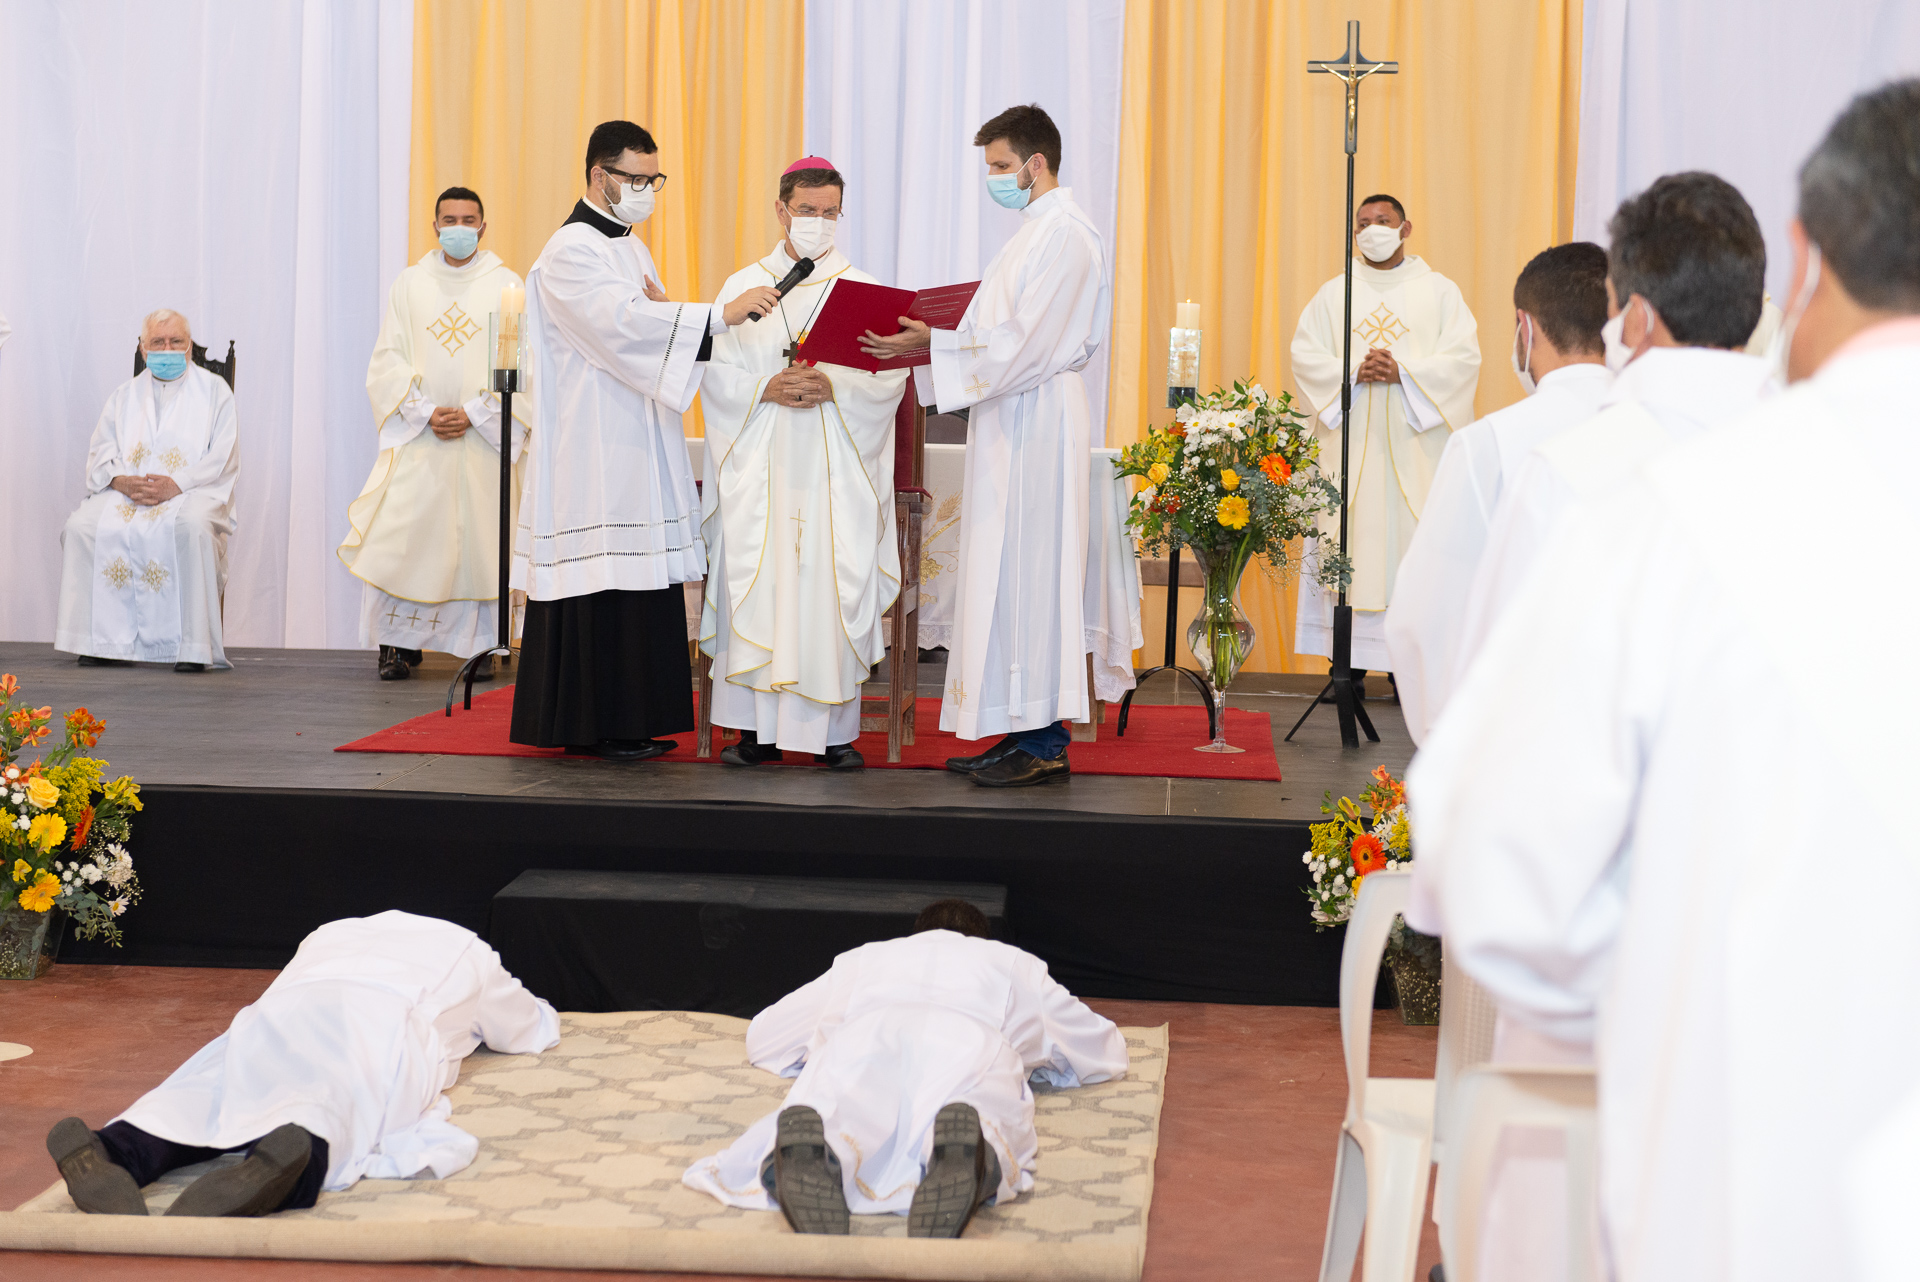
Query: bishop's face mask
[(1377, 242), (459, 242), (811, 237), (1006, 189), (1523, 364), (633, 207), (167, 366)]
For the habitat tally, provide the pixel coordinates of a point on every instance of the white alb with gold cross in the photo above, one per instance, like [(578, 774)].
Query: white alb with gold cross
[(1399, 429)]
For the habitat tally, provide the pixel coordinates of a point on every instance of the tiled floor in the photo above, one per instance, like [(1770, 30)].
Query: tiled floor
[(1253, 1103)]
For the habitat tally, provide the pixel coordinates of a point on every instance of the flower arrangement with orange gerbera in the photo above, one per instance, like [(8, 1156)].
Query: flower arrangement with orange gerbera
[(63, 824), (1348, 848)]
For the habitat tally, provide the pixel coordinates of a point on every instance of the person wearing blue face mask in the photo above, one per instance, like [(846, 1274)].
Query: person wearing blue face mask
[(1017, 661), (144, 556), (423, 535)]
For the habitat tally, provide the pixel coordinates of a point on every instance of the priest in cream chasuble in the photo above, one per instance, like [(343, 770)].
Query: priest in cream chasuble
[(797, 516), (1416, 357), (424, 538), (144, 556)]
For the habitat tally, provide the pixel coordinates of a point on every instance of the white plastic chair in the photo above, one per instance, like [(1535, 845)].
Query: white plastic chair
[(1381, 1169), (1467, 1020), (1488, 1100)]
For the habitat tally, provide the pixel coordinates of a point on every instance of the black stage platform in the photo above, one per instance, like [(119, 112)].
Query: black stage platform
[(256, 830)]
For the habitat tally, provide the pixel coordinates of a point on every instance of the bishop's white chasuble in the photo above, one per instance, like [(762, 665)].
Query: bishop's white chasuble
[(144, 583), (798, 523), (1018, 656), (424, 536), (1399, 430)]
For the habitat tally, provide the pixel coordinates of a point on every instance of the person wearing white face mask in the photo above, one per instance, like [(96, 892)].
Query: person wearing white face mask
[(1684, 291), (1417, 366), (423, 537), (1560, 304), (797, 507), (609, 527)]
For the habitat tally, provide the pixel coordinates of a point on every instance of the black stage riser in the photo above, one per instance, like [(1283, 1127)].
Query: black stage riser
[(1155, 908)]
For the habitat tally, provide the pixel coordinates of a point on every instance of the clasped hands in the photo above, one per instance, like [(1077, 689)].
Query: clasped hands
[(449, 422), (1378, 367), (798, 387), (149, 490)]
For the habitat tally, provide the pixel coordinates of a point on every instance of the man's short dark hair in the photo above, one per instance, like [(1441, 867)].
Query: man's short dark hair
[(607, 141), (1398, 208), (810, 178), (956, 915), (1564, 289), (1027, 129), (458, 193), (1860, 197), (1691, 246)]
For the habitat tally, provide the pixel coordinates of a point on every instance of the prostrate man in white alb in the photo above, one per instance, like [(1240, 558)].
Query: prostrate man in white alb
[(1560, 305), (1017, 663), (1670, 879), (609, 523), (335, 1074), (424, 537), (912, 1057), (1684, 275), (1416, 366), (144, 557), (802, 560)]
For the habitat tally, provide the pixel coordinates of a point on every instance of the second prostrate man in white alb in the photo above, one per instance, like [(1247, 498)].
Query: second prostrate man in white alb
[(797, 505)]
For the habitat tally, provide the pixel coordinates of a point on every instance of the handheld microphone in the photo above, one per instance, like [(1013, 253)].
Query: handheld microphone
[(801, 270)]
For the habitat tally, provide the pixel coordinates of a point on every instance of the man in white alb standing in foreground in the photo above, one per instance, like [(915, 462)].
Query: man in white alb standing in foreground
[(1560, 305), (1676, 880), (1017, 663), (912, 1058)]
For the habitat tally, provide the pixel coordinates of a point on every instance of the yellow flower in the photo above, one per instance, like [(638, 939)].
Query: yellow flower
[(38, 897), (1229, 479), (42, 793), (22, 870), (1158, 473), (126, 792), (46, 831), (1233, 513)]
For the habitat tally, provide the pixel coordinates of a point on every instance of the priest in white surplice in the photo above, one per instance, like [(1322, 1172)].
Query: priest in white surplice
[(1416, 365), (1672, 880), (609, 521), (1560, 304), (144, 557), (912, 1058), (802, 560), (335, 1074), (1017, 663), (424, 536)]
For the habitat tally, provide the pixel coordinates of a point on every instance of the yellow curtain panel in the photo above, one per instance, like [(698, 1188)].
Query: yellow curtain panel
[(1233, 190), (505, 93)]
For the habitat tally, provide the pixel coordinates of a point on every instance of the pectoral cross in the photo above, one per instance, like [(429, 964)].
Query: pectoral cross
[(800, 529), (1352, 67), (792, 350)]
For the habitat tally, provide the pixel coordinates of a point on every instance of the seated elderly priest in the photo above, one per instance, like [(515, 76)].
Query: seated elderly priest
[(798, 505), (145, 554)]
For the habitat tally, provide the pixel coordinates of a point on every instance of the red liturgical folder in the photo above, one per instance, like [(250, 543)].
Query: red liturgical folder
[(855, 307)]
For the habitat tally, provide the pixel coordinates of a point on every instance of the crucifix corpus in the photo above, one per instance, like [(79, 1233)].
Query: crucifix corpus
[(1351, 68)]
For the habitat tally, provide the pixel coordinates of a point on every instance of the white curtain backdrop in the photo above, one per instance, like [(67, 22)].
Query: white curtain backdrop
[(245, 164), (894, 93), (1743, 88)]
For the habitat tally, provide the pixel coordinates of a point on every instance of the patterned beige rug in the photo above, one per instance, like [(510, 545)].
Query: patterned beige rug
[(581, 1151)]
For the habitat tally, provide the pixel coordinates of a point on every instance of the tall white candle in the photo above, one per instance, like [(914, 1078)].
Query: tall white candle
[(1189, 315)]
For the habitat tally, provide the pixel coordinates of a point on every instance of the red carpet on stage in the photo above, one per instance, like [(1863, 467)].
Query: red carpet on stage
[(1160, 742)]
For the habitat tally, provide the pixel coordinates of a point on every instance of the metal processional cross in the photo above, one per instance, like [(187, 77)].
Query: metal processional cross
[(1351, 68)]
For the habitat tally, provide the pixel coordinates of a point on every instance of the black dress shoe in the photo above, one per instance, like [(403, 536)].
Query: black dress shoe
[(392, 666), (255, 1187), (840, 756), (1020, 769), (749, 751), (95, 661), (806, 1174), (971, 765), (97, 1184), (413, 656), (622, 749), (964, 1172), (185, 666)]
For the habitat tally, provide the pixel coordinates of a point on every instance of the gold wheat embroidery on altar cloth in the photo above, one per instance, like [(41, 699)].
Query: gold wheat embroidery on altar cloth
[(118, 572), (1380, 328), (173, 460), (155, 576), (140, 455), (453, 329)]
